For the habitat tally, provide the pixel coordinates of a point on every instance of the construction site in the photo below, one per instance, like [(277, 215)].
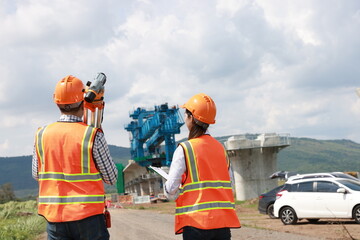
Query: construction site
[(152, 133)]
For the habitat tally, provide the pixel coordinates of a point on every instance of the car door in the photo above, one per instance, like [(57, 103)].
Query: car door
[(330, 203), (303, 199)]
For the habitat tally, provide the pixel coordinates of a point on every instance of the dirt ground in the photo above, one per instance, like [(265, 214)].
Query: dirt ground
[(250, 217), (254, 225), (324, 228)]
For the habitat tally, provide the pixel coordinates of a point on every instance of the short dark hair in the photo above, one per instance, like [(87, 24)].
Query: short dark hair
[(70, 108)]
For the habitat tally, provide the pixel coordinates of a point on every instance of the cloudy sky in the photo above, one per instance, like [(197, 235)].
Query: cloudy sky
[(270, 65)]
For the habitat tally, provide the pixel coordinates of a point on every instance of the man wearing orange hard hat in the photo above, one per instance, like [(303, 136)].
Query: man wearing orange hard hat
[(199, 173), (70, 161)]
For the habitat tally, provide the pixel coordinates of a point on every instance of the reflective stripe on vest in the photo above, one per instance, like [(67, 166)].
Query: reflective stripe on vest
[(71, 199), (191, 161), (204, 206), (85, 154), (69, 177), (205, 185), (40, 146)]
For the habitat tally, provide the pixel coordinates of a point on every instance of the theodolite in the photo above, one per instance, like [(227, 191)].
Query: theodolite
[(94, 101)]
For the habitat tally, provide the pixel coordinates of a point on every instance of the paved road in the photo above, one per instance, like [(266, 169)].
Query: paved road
[(148, 225)]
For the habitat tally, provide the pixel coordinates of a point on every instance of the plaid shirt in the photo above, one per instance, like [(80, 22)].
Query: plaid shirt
[(101, 155)]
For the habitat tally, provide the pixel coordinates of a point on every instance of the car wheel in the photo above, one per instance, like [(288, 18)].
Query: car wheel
[(313, 220), (356, 214), (270, 211), (288, 216)]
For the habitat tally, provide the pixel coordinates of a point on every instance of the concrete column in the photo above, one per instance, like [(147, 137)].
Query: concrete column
[(133, 188), (157, 185), (142, 190), (151, 188), (253, 160), (138, 189), (252, 168)]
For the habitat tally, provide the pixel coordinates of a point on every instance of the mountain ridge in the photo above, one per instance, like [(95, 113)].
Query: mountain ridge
[(303, 155)]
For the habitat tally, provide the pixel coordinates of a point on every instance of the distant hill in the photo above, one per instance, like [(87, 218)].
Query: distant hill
[(120, 154), (304, 155), (17, 170)]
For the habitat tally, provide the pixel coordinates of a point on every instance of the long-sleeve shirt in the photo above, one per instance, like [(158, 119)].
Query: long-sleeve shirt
[(177, 169), (101, 155)]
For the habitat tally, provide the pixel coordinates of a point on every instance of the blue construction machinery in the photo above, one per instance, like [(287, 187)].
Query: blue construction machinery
[(149, 129)]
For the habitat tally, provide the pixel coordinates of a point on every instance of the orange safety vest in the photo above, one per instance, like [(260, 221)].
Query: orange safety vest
[(70, 186), (206, 199)]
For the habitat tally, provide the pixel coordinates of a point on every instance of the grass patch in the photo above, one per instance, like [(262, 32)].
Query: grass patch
[(19, 221), (253, 203)]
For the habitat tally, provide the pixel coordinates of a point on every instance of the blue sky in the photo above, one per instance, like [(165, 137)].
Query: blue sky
[(271, 66)]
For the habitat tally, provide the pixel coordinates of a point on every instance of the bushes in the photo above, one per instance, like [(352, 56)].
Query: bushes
[(19, 221), (6, 193)]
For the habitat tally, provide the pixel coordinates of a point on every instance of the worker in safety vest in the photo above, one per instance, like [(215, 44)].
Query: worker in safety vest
[(199, 174), (70, 161)]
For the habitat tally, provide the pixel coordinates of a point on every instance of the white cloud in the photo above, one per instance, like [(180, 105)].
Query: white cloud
[(271, 66), (230, 7), (5, 145)]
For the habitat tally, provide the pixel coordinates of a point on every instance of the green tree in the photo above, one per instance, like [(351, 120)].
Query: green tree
[(6, 193)]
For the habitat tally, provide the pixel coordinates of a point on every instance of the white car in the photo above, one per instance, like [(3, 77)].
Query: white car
[(315, 198)]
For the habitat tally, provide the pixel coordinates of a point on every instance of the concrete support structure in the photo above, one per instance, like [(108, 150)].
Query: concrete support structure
[(139, 182), (254, 159)]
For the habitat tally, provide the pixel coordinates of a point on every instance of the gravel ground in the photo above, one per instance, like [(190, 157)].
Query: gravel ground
[(128, 224), (156, 222), (147, 225)]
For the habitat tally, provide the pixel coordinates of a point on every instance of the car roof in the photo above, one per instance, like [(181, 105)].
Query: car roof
[(332, 179), (321, 175)]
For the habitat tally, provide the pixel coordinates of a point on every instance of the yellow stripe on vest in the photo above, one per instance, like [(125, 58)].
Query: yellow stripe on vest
[(40, 145), (205, 185), (71, 199), (86, 148), (190, 158), (59, 176), (204, 207)]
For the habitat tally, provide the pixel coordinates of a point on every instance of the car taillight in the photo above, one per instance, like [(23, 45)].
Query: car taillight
[(279, 194), (261, 197)]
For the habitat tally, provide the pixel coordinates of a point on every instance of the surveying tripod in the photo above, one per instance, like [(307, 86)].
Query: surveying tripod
[(94, 101)]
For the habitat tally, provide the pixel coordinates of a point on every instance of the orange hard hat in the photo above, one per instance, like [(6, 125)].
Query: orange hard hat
[(69, 90), (202, 107)]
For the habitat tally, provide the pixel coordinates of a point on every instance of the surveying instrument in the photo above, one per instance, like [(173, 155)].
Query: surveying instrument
[(94, 101)]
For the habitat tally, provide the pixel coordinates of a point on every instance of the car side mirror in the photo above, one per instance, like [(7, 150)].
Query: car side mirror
[(341, 190)]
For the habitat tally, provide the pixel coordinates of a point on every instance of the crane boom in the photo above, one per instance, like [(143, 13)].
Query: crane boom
[(148, 129)]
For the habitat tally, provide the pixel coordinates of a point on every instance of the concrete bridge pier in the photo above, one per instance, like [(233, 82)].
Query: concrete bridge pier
[(253, 159)]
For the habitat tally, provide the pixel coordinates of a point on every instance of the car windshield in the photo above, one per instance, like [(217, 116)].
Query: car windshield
[(351, 184)]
